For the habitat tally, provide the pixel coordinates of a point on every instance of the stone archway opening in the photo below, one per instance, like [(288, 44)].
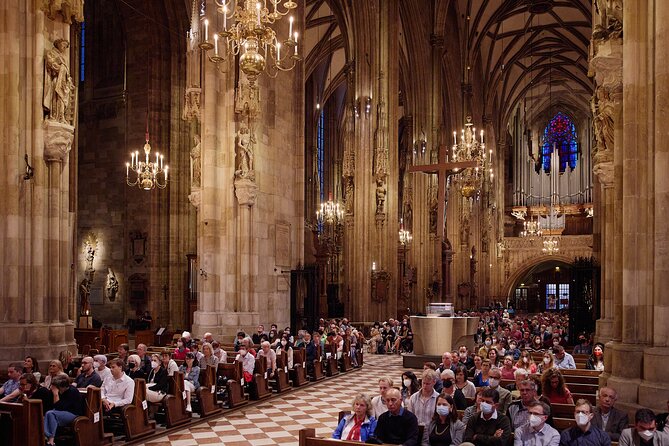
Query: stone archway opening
[(545, 286)]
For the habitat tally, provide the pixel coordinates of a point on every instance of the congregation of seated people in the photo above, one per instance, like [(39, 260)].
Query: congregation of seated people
[(503, 391)]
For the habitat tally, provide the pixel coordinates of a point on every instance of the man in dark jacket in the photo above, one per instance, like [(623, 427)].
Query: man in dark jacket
[(487, 427), (398, 425), (68, 404), (608, 418)]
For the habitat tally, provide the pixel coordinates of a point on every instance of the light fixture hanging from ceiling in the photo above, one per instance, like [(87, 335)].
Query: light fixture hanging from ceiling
[(251, 36)]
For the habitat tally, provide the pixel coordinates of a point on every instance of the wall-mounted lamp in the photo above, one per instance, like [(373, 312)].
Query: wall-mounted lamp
[(368, 105), (373, 266), (356, 108)]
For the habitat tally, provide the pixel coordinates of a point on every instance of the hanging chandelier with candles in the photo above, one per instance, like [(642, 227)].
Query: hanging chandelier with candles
[(331, 212), (148, 173), (470, 180), (244, 28), (531, 228), (405, 235), (551, 245)]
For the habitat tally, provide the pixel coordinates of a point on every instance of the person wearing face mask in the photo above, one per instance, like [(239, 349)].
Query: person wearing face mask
[(584, 433), (134, 369), (445, 429), (248, 363), (547, 363), (583, 347), (608, 418), (100, 365), (464, 358), (488, 427), (504, 395), (536, 432), (526, 362), (537, 345), (157, 384), (513, 350), (286, 346), (644, 432), (596, 359), (449, 388), (487, 345), (409, 386)]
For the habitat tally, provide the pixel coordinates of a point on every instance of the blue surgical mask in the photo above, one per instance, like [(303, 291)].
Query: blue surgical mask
[(443, 410)]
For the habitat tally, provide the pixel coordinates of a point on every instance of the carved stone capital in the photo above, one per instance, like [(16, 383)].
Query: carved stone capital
[(65, 10), (246, 191), (606, 64), (58, 138), (195, 198), (603, 170)]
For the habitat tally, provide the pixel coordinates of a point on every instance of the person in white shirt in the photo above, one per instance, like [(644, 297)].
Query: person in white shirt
[(248, 364), (100, 365), (423, 403), (117, 390), (537, 432), (379, 401), (270, 357)]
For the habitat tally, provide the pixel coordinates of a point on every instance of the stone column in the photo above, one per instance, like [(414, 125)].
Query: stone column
[(35, 222)]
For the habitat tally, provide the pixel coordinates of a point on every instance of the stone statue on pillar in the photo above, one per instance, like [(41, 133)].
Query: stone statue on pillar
[(196, 163), (58, 98), (112, 285), (380, 197)]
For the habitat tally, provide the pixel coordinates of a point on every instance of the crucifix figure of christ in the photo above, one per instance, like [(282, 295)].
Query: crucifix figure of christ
[(443, 168)]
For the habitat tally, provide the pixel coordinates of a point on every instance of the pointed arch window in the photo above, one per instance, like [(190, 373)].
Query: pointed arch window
[(560, 134), (320, 145)]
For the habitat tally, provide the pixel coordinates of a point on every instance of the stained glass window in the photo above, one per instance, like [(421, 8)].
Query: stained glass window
[(560, 133), (82, 52), (551, 296), (320, 158)]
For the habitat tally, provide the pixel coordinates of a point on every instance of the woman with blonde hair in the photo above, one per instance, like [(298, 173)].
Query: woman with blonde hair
[(526, 362), (360, 424), (208, 358), (547, 363), (55, 369)]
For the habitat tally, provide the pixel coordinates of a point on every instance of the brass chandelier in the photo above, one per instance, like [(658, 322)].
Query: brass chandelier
[(245, 30), (470, 181), (148, 173), (405, 235)]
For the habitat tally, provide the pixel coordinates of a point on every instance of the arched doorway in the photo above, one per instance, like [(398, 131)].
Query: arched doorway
[(546, 286)]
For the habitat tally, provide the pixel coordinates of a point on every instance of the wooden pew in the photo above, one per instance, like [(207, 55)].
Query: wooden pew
[(259, 388), (586, 396), (583, 388), (298, 374), (562, 410), (358, 356), (281, 381), (235, 385), (318, 366), (89, 429), (331, 368), (206, 394), (563, 423), (345, 363), (579, 379), (145, 337), (136, 414), (577, 372), (22, 424), (175, 402)]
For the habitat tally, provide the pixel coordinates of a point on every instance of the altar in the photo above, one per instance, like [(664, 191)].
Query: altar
[(434, 334)]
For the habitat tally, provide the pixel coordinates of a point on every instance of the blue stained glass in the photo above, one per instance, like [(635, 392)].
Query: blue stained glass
[(320, 158), (560, 133)]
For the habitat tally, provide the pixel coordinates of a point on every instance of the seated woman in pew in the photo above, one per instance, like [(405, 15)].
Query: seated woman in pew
[(134, 369), (55, 369), (526, 362), (596, 360), (191, 373), (286, 346), (508, 368), (554, 388), (181, 350), (68, 404), (169, 364), (445, 429), (69, 367), (30, 366), (157, 384), (359, 425), (547, 363), (208, 356), (481, 380), (462, 383), (409, 386)]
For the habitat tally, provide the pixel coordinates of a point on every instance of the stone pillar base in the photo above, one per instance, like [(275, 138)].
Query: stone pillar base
[(224, 326), (624, 363), (604, 330), (44, 341)]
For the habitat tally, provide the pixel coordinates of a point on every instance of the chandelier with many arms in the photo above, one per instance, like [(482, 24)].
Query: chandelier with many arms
[(331, 212), (470, 180), (531, 228), (149, 173), (405, 235), (244, 29), (551, 245)]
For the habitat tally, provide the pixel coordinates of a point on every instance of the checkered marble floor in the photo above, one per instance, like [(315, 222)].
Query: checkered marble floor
[(278, 422)]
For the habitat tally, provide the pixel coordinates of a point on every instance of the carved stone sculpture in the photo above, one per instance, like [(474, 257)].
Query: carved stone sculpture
[(69, 9), (245, 141), (381, 143), (196, 163), (350, 195), (192, 104), (84, 294), (58, 85), (112, 285), (380, 196)]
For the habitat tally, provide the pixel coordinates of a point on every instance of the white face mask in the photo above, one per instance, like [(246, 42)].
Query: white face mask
[(547, 361), (486, 408), (494, 382), (96, 365), (242, 352), (535, 420), (154, 364), (582, 419), (647, 435), (525, 360), (487, 343), (407, 383)]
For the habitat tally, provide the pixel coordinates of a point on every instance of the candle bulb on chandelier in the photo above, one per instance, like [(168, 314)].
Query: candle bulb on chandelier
[(225, 18), (278, 51), (216, 44), (161, 161), (481, 136), (455, 138), (166, 167), (295, 42), (290, 27), (206, 30), (127, 169), (258, 12)]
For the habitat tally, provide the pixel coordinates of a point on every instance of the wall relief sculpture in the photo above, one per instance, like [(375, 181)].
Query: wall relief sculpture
[(245, 142), (58, 100), (68, 10), (111, 288)]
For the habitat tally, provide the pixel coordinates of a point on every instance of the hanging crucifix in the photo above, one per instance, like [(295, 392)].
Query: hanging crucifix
[(443, 168)]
